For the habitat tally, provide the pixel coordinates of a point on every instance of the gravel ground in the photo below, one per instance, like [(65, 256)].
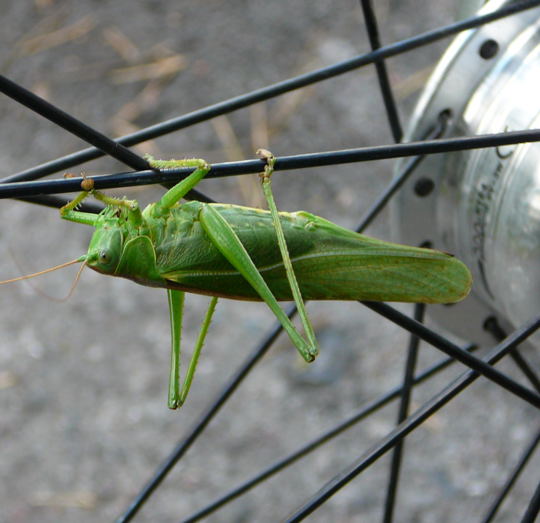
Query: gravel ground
[(83, 420)]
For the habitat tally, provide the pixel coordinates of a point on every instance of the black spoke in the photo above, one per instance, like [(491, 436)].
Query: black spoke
[(382, 74), (534, 507), (403, 412), (80, 129), (300, 161), (421, 414), (274, 90), (321, 440), (71, 124), (512, 478), (456, 352)]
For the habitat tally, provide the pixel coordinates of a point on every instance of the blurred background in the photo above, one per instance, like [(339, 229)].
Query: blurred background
[(83, 383)]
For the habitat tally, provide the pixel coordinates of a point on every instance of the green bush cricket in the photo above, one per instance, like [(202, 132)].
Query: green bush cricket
[(230, 251)]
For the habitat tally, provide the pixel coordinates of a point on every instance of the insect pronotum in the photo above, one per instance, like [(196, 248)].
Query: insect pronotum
[(244, 253)]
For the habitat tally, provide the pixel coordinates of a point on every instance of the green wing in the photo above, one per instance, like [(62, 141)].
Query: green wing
[(330, 263)]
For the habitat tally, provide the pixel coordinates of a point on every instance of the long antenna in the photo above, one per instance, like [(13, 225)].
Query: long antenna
[(56, 267), (73, 285)]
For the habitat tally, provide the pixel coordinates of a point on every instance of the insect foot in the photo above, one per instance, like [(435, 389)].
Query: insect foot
[(270, 159)]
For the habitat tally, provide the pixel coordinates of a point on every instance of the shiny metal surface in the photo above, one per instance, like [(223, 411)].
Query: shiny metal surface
[(483, 205)]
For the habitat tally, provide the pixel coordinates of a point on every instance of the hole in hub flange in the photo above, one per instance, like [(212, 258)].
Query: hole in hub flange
[(423, 187), (488, 49), (445, 115)]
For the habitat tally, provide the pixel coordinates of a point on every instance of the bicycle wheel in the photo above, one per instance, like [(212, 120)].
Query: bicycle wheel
[(85, 418)]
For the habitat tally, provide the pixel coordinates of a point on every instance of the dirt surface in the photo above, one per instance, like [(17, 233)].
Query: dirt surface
[(83, 415)]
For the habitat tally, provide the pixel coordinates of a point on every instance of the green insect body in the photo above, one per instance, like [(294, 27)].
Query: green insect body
[(236, 252), (330, 262)]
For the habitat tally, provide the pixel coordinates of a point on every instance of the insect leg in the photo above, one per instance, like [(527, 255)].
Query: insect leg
[(291, 277), (197, 350), (173, 195), (176, 309), (132, 206), (178, 396), (68, 212), (228, 243)]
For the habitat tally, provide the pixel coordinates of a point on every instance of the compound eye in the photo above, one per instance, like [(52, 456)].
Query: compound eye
[(104, 257)]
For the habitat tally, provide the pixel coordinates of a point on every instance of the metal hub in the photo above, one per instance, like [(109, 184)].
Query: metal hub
[(482, 205)]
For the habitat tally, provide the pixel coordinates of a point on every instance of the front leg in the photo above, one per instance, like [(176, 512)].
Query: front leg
[(176, 193), (69, 211)]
